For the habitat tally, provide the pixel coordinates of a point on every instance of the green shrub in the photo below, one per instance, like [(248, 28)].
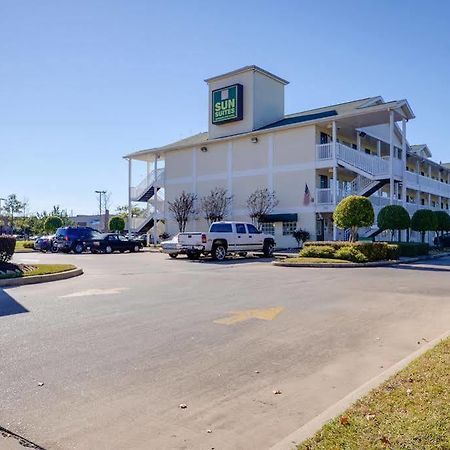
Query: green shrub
[(412, 249), (423, 220), (28, 244), (301, 236), (373, 251), (393, 217), (116, 223), (52, 223), (319, 251), (351, 253), (7, 247), (354, 212)]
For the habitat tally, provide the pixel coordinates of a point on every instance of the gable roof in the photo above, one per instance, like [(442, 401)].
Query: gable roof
[(346, 108)]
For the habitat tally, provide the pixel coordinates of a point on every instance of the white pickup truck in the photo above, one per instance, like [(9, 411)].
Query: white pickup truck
[(223, 238)]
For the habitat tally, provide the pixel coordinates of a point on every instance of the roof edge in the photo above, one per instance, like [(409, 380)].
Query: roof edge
[(251, 68)]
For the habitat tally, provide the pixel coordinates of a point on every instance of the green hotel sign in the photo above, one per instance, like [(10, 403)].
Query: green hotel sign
[(227, 104)]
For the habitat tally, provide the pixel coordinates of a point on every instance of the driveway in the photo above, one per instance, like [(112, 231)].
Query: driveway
[(120, 348)]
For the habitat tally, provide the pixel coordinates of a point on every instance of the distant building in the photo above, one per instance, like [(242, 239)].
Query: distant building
[(96, 221)]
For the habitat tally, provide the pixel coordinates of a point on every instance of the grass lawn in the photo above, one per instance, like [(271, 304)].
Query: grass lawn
[(410, 411), (20, 247), (309, 260), (43, 269)]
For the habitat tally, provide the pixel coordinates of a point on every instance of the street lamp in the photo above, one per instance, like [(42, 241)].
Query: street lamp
[(100, 193)]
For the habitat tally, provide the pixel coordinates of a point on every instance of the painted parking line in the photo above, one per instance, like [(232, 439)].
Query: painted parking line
[(241, 316), (92, 292)]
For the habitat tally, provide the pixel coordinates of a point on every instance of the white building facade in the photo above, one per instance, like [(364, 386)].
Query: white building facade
[(311, 160)]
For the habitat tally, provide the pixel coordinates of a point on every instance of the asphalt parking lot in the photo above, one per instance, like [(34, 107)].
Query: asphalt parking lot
[(121, 347)]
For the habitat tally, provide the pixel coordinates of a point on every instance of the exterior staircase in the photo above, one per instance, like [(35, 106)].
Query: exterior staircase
[(148, 187)]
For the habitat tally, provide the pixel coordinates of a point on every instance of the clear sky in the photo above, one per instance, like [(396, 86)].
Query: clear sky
[(84, 82)]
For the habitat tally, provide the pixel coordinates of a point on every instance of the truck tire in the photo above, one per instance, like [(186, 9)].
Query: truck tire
[(173, 255), (193, 255), (218, 252), (268, 249)]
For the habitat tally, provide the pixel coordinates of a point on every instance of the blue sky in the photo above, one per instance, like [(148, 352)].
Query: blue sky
[(84, 82)]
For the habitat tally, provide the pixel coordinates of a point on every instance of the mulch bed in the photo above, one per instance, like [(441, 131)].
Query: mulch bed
[(7, 268)]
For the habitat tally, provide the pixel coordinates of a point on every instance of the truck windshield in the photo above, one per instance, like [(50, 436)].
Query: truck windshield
[(221, 228)]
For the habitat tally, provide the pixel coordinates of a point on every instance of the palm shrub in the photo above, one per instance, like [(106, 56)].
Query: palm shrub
[(423, 220), (354, 212), (116, 223), (52, 223), (442, 222), (301, 236), (393, 217)]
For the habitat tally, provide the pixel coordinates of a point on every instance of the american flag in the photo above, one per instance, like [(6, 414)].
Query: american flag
[(307, 196)]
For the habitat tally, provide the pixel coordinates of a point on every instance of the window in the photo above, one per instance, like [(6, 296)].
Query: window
[(367, 150), (422, 201), (324, 138), (221, 228), (289, 228), (240, 228), (252, 229), (323, 182), (267, 228)]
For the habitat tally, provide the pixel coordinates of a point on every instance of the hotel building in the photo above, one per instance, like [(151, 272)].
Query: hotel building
[(311, 160)]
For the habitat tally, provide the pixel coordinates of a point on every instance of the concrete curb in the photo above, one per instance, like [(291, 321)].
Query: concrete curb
[(353, 265), (21, 281), (310, 428)]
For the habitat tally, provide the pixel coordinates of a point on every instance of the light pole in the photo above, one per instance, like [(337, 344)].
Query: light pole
[(100, 193)]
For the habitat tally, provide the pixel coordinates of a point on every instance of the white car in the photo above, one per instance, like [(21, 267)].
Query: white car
[(222, 239)]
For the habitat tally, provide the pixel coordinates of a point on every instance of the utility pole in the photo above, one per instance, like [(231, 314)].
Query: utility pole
[(100, 193)]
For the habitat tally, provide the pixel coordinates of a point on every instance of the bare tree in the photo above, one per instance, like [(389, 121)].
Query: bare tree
[(260, 203), (216, 205), (182, 207)]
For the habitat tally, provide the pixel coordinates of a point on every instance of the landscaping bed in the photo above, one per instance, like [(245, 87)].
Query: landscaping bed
[(411, 410), (10, 270)]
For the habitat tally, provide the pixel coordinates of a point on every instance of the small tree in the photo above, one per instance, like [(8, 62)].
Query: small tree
[(13, 206), (216, 205), (423, 220), (52, 223), (354, 212), (300, 236), (393, 217), (182, 208), (260, 203), (442, 222), (116, 224)]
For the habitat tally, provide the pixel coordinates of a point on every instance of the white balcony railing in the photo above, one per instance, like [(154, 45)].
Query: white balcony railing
[(154, 178)]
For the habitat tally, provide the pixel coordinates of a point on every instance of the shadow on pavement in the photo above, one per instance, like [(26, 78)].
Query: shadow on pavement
[(436, 265), (8, 306)]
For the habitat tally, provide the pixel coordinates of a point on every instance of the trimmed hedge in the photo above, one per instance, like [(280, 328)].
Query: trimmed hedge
[(318, 251), (351, 253), (7, 247), (28, 244), (372, 251), (412, 249)]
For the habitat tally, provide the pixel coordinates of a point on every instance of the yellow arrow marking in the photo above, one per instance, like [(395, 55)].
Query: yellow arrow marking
[(241, 316)]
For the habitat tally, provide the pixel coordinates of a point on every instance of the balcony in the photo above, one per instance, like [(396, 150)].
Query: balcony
[(370, 166), (427, 184)]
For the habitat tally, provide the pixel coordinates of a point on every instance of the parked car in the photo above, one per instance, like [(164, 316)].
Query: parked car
[(170, 246), (72, 238), (46, 244), (223, 238), (442, 241), (111, 242)]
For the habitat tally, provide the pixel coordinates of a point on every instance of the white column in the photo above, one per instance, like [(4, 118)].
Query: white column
[(155, 204), (379, 148), (335, 180), (404, 160), (129, 196), (391, 157), (194, 180), (358, 141), (429, 171), (230, 175)]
